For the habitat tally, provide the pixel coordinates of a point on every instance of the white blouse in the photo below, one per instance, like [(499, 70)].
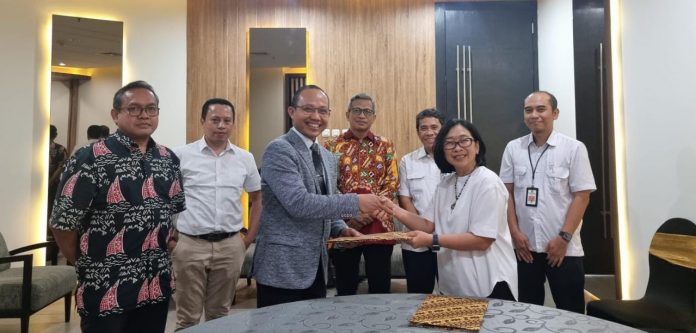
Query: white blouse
[(480, 210)]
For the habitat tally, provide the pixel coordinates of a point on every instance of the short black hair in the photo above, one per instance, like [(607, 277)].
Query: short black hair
[(54, 132), (296, 96), (214, 101), (439, 148), (94, 132), (105, 131), (429, 113), (552, 98), (118, 96)]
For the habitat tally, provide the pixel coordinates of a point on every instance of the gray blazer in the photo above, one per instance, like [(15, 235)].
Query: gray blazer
[(296, 220)]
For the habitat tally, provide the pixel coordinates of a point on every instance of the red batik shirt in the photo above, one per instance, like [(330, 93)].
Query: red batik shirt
[(120, 202), (366, 166)]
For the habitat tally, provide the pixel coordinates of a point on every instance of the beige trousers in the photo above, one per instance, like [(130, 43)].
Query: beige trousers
[(206, 277)]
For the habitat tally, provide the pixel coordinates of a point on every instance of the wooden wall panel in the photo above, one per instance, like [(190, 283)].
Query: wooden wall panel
[(385, 48)]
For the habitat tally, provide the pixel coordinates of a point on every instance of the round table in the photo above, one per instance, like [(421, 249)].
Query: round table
[(391, 312)]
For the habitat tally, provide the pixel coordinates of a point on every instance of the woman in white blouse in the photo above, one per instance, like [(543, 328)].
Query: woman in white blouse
[(466, 223)]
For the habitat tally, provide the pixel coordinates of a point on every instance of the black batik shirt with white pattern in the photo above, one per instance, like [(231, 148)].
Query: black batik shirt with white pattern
[(120, 202)]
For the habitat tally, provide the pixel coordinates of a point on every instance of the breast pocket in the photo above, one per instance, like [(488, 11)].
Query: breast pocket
[(558, 179), (232, 177), (416, 183), (520, 175)]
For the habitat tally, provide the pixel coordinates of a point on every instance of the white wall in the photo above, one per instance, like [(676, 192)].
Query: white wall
[(266, 98), (154, 50), (95, 100), (556, 58), (659, 48)]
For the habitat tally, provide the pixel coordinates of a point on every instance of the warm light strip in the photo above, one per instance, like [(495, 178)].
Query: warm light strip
[(40, 203), (625, 257), (73, 70)]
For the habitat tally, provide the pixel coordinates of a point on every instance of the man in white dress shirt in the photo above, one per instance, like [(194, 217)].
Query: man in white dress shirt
[(419, 176), (208, 250), (549, 178)]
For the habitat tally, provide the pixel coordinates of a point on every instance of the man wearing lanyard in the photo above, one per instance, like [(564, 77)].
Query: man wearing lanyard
[(549, 178)]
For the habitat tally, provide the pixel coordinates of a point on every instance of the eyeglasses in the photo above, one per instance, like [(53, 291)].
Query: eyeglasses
[(136, 110), (461, 142), (311, 110), (358, 111)]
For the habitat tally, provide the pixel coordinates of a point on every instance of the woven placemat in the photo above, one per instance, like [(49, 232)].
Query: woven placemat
[(381, 238), (454, 313)]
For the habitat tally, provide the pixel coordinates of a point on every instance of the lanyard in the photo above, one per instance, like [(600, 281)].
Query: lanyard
[(534, 166)]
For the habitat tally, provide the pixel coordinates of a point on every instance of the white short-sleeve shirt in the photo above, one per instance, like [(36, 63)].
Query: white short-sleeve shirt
[(563, 169), (418, 177), (213, 187), (481, 210)]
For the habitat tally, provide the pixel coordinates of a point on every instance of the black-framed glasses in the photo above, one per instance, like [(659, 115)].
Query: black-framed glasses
[(461, 142), (136, 110), (323, 112), (358, 111)]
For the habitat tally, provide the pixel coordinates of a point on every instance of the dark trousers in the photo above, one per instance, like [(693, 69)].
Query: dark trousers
[(147, 319), (421, 271), (377, 269), (502, 291), (267, 295), (567, 282)]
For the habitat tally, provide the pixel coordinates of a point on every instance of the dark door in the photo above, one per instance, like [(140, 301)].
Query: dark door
[(591, 119), (486, 66)]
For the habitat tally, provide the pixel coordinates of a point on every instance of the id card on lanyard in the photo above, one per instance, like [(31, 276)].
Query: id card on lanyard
[(532, 193)]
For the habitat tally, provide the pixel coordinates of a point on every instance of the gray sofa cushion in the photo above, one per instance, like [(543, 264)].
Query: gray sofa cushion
[(49, 283)]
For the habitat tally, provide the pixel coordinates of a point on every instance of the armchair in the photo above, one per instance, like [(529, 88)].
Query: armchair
[(28, 289)]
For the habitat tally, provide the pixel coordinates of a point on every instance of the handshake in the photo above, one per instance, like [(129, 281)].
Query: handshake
[(372, 207)]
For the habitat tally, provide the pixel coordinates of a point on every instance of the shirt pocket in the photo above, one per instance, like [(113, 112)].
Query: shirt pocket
[(558, 179), (519, 176), (232, 178), (416, 184)]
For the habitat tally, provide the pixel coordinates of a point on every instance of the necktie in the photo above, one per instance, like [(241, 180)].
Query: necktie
[(318, 167)]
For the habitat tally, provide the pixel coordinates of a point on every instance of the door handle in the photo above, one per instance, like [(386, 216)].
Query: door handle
[(456, 70), (471, 84)]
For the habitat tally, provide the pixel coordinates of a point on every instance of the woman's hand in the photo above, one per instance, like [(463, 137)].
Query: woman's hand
[(419, 239)]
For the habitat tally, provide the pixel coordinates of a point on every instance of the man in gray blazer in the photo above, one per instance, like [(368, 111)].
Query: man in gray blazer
[(300, 207)]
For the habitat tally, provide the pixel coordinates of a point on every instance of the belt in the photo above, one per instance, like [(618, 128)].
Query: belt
[(214, 236)]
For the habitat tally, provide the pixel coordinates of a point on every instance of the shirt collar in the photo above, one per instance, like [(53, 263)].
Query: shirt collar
[(348, 135), (307, 141), (202, 144), (129, 143), (551, 141), (420, 153)]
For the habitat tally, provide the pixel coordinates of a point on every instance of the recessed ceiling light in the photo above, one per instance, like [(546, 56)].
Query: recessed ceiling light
[(61, 64)]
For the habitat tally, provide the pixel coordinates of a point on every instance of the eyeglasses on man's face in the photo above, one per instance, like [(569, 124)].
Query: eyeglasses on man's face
[(461, 142), (136, 110), (323, 112), (358, 111)]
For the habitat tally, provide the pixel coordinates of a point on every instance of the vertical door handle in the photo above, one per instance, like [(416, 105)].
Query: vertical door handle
[(602, 114), (463, 71), (471, 83), (456, 70)]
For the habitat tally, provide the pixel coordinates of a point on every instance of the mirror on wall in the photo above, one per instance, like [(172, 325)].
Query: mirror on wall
[(277, 68), (86, 66)]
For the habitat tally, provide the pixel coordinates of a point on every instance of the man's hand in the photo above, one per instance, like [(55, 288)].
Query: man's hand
[(521, 244), (171, 244), (359, 222), (247, 242), (556, 251), (370, 204), (350, 232), (419, 239)]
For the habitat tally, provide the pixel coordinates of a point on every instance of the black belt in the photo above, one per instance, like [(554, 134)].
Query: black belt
[(214, 236)]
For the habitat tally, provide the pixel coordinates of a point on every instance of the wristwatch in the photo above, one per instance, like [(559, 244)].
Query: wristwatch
[(436, 243), (566, 236)]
